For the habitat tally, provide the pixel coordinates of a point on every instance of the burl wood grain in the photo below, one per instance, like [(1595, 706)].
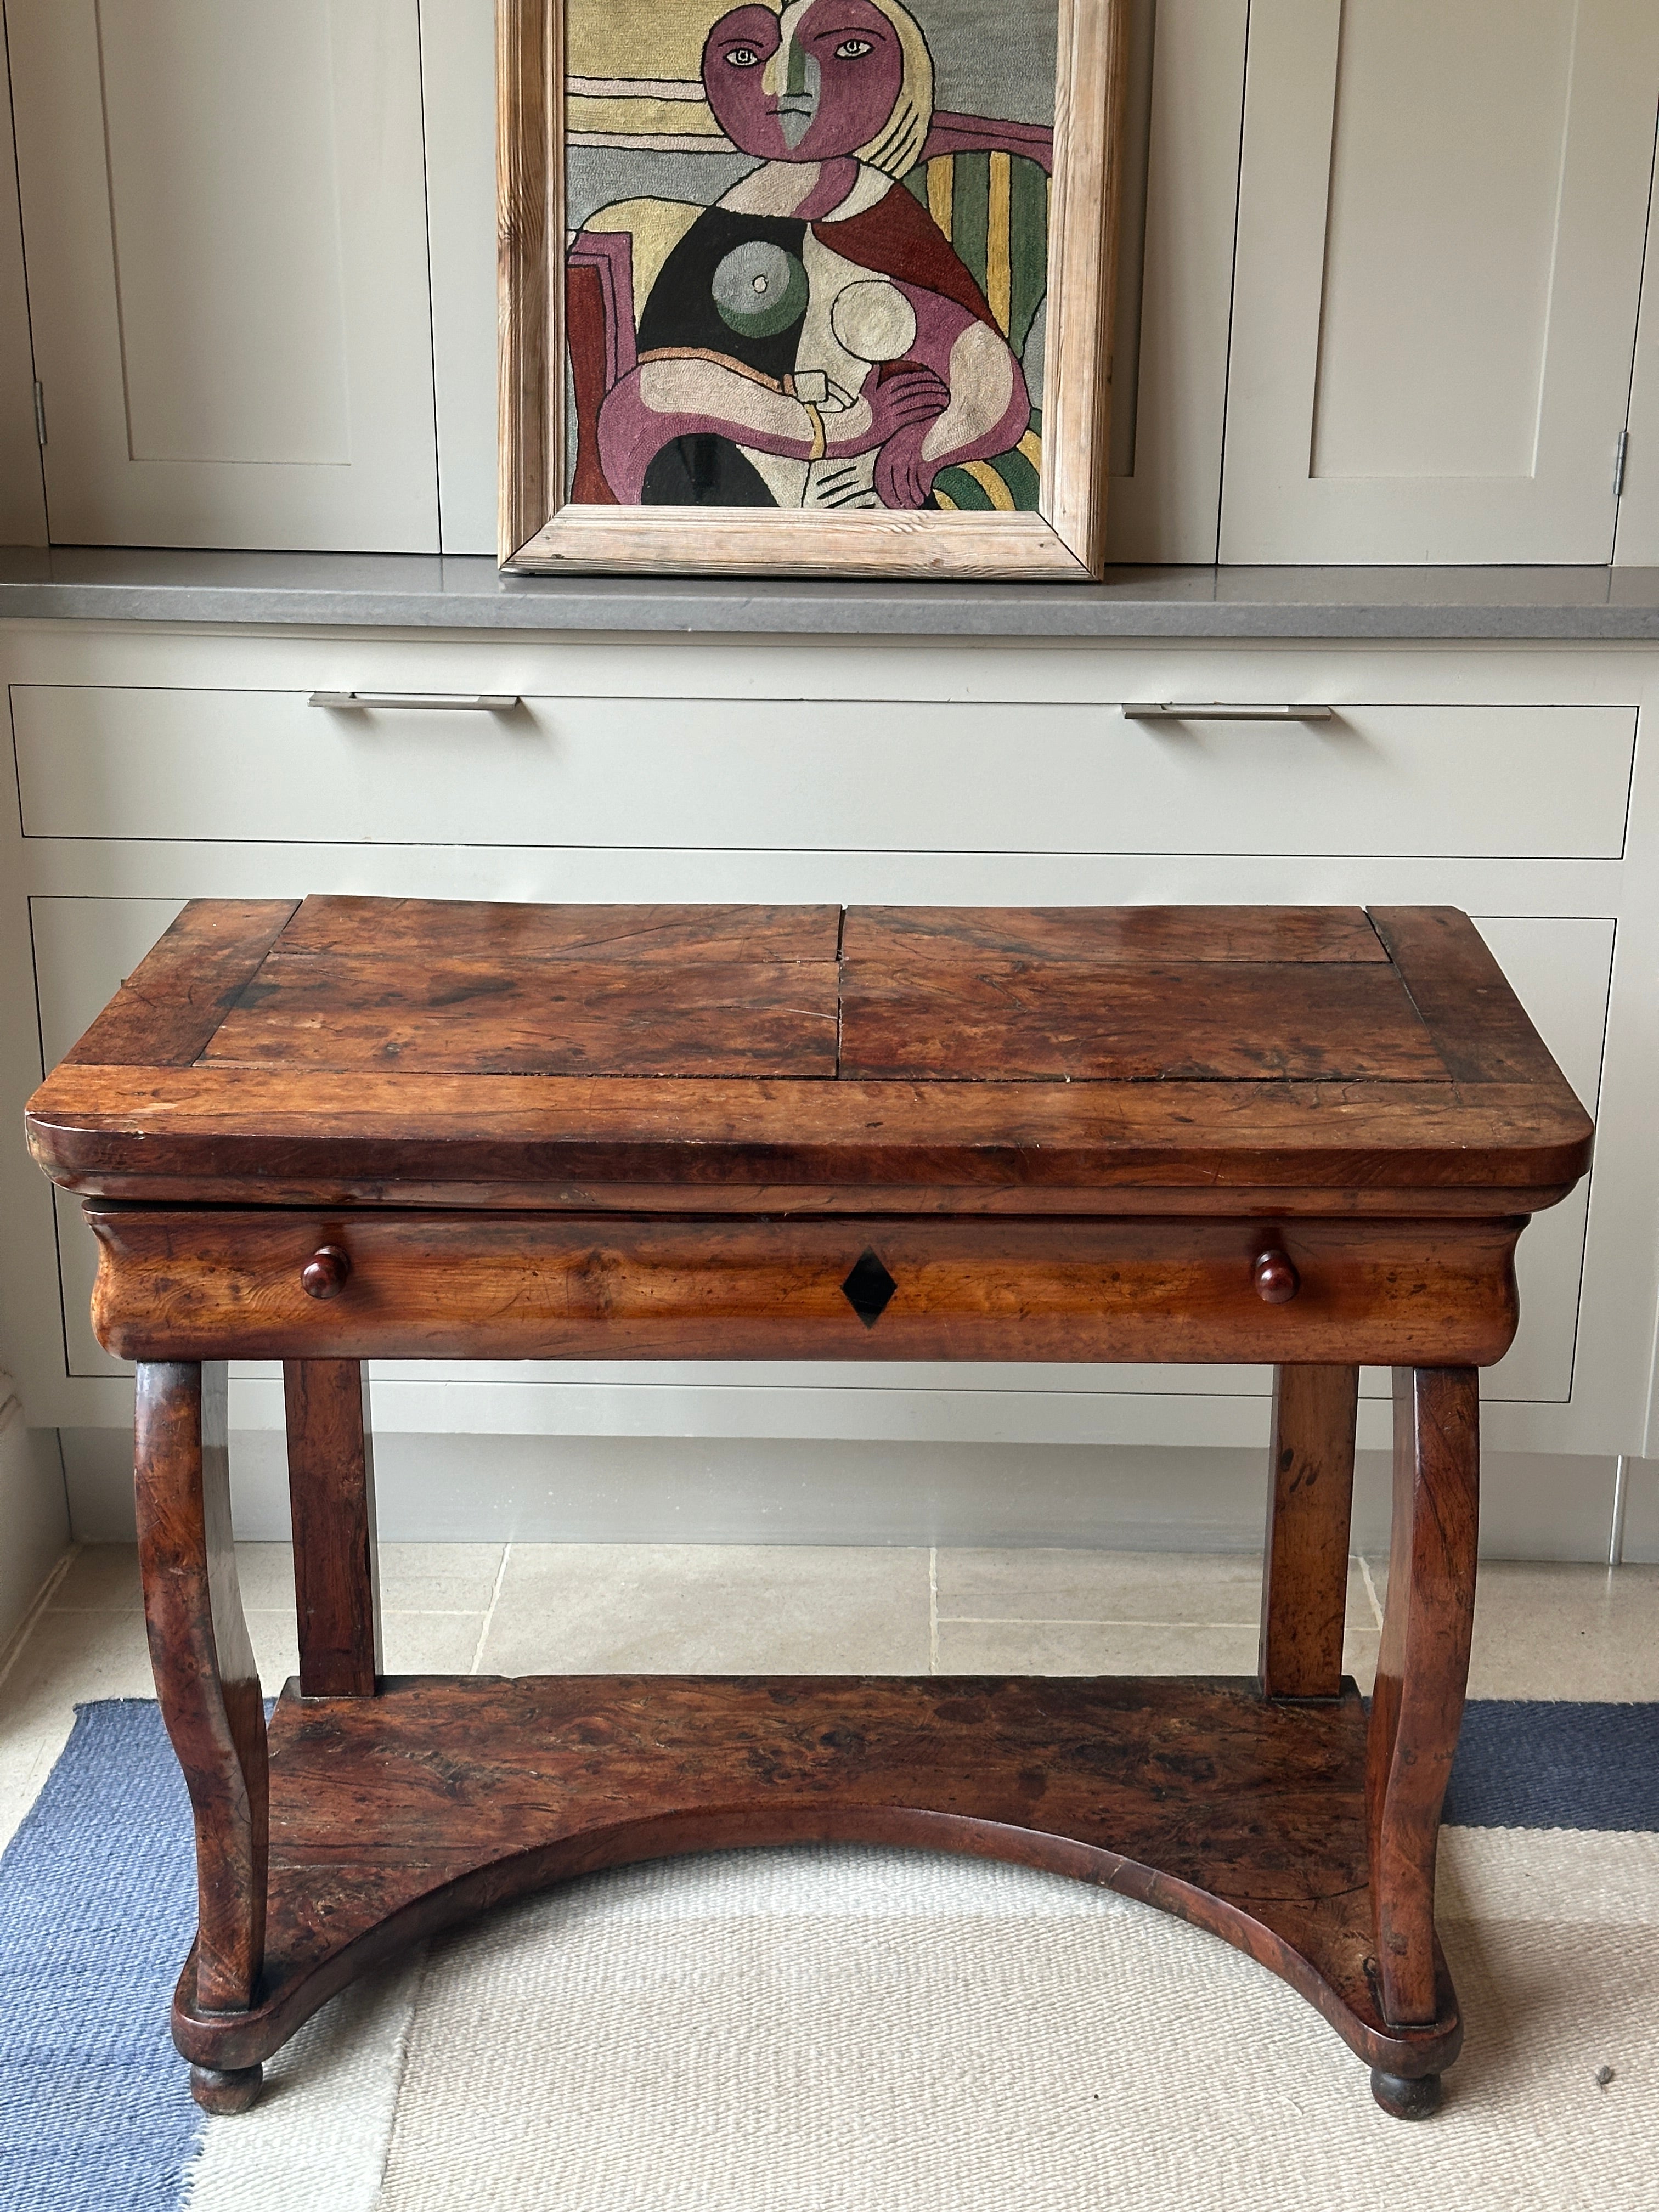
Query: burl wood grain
[(1304, 1594), (1422, 1670), (397, 1815), (206, 1680), (331, 1478), (549, 1285)]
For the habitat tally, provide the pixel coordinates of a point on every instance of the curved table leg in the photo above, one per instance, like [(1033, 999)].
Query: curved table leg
[(207, 1684), (1417, 1707)]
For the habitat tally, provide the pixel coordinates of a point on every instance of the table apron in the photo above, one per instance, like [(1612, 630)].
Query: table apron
[(206, 1284)]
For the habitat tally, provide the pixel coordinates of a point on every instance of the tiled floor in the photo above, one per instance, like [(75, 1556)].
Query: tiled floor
[(1540, 1632)]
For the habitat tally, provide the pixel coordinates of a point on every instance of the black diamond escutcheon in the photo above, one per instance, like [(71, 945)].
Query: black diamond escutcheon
[(868, 1288)]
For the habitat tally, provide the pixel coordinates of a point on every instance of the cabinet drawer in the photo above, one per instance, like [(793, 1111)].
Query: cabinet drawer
[(178, 1284), (823, 774)]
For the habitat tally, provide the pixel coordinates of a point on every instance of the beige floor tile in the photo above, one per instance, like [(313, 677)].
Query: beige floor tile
[(101, 1578), (414, 1577), (709, 1608), (429, 1643), (410, 1644), (1360, 1657), (1566, 1632), (276, 1646), (265, 1575), (1214, 1590), (1047, 1647), (69, 1658), (1550, 1630), (439, 1577)]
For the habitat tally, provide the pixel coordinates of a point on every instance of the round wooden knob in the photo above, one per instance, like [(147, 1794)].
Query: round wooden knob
[(326, 1273), (1275, 1278)]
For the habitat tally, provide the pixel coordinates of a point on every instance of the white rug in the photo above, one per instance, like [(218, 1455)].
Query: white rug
[(843, 2030)]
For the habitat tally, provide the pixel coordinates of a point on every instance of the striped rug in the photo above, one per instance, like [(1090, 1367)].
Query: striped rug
[(844, 2030)]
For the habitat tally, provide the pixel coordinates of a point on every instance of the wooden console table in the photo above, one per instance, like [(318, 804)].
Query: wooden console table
[(371, 1128)]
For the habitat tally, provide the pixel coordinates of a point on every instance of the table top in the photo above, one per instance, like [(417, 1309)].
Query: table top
[(768, 1057)]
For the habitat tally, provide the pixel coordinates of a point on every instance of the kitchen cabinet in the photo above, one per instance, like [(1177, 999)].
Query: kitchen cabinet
[(1442, 211), (22, 494), (225, 221)]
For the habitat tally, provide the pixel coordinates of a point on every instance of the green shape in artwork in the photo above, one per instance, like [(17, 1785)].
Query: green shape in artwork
[(759, 289)]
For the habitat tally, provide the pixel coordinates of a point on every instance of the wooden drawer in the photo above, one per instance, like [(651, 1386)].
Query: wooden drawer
[(822, 774), (209, 1284)]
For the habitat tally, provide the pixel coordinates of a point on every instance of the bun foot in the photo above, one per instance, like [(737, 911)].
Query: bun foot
[(1407, 2098), (231, 2091)]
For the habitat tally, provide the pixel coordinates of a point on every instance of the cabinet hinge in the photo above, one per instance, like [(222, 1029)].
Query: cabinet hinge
[(1618, 464), (39, 412)]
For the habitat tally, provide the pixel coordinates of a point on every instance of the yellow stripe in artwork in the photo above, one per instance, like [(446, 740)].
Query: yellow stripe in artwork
[(941, 175), (1031, 445), (998, 279), (991, 484), (945, 500)]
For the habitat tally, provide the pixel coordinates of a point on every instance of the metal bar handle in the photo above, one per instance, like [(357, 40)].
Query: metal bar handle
[(1216, 710), (452, 702)]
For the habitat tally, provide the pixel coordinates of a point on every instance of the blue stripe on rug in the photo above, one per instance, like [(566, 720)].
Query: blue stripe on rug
[(97, 1909), (1526, 1765)]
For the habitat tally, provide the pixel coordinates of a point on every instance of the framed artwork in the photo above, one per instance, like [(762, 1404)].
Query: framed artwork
[(812, 287)]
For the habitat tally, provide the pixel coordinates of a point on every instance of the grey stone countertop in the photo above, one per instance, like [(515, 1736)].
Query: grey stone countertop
[(414, 591)]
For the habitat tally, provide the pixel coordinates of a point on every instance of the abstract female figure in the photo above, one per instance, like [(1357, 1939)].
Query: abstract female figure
[(811, 339)]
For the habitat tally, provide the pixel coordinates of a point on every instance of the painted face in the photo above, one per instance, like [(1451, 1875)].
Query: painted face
[(818, 80)]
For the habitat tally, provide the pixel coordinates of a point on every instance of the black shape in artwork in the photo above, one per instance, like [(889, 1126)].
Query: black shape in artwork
[(704, 470), (683, 312), (868, 1288)]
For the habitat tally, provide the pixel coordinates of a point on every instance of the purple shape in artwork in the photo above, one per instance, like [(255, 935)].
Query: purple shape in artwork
[(984, 134)]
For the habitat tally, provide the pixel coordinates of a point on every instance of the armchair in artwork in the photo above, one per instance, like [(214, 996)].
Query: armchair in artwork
[(871, 339)]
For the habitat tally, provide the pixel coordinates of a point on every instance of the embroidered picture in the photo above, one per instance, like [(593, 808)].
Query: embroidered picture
[(808, 253)]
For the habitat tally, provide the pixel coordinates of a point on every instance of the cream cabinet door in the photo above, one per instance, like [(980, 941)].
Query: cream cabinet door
[(22, 507), (1175, 279), (224, 220), (1442, 210), (1637, 543)]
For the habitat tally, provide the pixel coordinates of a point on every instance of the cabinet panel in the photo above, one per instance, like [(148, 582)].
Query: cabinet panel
[(1637, 542), (1440, 233), (822, 775), (458, 50), (1561, 967), (22, 496), (1174, 286), (224, 216)]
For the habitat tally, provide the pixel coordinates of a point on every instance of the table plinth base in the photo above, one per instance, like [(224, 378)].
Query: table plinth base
[(395, 1815)]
